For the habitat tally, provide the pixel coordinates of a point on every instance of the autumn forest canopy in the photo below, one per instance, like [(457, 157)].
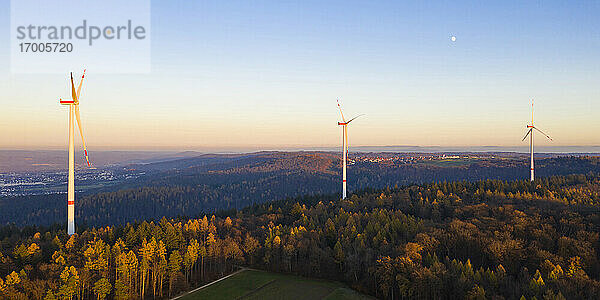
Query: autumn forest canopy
[(488, 239), (427, 230)]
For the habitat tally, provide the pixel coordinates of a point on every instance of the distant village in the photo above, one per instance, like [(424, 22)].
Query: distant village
[(407, 158)]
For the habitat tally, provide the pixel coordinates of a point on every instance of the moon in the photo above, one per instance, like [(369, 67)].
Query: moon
[(453, 38)]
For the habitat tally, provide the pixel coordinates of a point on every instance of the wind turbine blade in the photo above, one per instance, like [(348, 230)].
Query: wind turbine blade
[(73, 89), (532, 112), (81, 133), (543, 133), (80, 83), (355, 118), (528, 132), (340, 108)]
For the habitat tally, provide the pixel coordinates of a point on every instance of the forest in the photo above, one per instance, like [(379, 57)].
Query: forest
[(487, 239), (204, 187)]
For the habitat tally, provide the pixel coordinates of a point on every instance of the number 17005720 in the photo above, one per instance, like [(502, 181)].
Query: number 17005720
[(46, 47)]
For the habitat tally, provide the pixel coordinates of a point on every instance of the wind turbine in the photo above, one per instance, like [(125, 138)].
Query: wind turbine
[(73, 108), (344, 146), (530, 133)]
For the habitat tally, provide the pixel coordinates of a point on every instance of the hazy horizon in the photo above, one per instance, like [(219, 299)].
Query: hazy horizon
[(381, 148)]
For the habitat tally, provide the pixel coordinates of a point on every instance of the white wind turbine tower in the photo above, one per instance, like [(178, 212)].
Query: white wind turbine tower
[(344, 146), (73, 108), (530, 133)]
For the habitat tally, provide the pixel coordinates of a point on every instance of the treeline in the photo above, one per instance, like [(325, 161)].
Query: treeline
[(451, 240), (258, 179)]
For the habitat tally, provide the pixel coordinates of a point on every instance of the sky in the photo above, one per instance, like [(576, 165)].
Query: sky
[(266, 75)]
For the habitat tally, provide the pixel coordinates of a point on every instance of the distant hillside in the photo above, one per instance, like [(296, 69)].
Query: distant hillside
[(192, 186), (56, 160)]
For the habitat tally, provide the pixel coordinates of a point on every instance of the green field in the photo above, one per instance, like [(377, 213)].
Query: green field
[(253, 284)]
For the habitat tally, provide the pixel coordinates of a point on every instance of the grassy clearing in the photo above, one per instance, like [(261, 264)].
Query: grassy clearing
[(253, 284)]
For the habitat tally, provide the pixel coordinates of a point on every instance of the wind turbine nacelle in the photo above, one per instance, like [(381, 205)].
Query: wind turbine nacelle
[(67, 102), (341, 123), (529, 126)]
